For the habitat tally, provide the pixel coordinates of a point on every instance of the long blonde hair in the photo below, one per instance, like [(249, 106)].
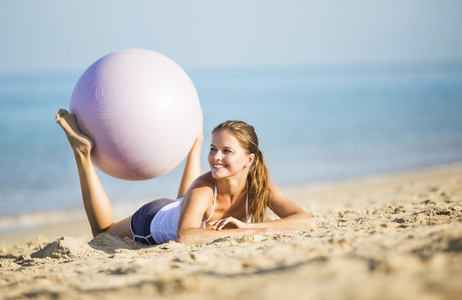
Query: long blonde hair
[(258, 177)]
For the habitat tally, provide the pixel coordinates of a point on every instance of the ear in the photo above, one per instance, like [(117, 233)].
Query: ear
[(250, 160)]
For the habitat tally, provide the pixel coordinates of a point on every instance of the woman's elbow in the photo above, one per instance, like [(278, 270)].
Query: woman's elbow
[(308, 223), (181, 237)]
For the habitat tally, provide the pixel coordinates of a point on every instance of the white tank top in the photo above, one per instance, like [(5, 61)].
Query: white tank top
[(164, 225)]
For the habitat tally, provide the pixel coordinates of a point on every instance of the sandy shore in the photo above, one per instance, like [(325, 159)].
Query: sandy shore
[(389, 237)]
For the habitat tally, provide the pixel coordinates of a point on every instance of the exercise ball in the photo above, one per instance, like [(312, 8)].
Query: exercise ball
[(141, 110)]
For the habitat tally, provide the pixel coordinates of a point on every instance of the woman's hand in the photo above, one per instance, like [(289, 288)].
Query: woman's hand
[(227, 223)]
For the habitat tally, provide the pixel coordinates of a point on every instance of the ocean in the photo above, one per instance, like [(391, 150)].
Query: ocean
[(315, 124)]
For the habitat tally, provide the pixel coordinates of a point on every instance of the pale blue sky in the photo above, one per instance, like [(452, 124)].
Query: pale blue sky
[(70, 35)]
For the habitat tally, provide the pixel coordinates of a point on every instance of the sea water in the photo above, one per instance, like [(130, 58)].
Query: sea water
[(315, 123)]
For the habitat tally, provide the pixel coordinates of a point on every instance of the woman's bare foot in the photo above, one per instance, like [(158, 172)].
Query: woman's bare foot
[(79, 141)]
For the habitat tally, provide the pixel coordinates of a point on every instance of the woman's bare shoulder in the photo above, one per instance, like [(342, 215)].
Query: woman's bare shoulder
[(276, 195), (273, 188), (200, 193), (205, 180), (203, 184)]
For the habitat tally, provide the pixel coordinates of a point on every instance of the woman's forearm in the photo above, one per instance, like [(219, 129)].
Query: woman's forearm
[(200, 235), (292, 222), (192, 168)]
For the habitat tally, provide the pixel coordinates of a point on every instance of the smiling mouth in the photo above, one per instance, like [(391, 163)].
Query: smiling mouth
[(218, 166)]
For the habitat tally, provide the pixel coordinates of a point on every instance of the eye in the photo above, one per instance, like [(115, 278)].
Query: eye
[(213, 149), (227, 151)]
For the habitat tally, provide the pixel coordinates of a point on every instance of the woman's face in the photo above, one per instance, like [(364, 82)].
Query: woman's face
[(226, 157)]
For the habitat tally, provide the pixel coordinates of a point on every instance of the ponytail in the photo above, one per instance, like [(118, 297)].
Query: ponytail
[(257, 179)]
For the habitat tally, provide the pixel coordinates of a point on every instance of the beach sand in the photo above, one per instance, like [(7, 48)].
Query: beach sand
[(396, 236)]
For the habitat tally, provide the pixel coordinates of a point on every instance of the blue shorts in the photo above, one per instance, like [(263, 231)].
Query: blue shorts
[(140, 223)]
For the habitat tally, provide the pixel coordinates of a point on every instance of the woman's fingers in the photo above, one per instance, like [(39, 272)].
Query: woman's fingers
[(220, 224), (225, 222)]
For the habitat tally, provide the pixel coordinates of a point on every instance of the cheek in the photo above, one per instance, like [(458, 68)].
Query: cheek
[(237, 161)]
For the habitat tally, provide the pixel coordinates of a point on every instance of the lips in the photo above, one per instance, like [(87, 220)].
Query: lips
[(218, 166)]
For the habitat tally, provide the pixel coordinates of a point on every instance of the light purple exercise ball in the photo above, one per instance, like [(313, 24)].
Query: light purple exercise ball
[(141, 110)]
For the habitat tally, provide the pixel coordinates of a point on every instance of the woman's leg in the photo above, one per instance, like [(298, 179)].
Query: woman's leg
[(192, 168), (96, 202)]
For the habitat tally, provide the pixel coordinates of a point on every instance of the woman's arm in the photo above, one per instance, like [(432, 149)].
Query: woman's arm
[(192, 168), (292, 216)]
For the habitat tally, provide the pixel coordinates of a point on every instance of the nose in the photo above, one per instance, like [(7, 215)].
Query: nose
[(216, 156)]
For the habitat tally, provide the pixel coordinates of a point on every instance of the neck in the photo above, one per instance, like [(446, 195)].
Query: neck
[(231, 187)]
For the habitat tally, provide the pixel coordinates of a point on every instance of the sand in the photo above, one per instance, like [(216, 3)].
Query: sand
[(396, 236)]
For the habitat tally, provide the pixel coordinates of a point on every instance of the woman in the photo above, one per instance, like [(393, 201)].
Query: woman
[(216, 204)]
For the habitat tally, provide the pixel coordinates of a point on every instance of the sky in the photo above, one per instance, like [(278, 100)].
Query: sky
[(49, 36)]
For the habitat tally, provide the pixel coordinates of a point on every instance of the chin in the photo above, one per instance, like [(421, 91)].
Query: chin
[(216, 176), (219, 174)]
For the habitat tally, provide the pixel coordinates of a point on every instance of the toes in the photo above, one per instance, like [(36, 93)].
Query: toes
[(61, 113)]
